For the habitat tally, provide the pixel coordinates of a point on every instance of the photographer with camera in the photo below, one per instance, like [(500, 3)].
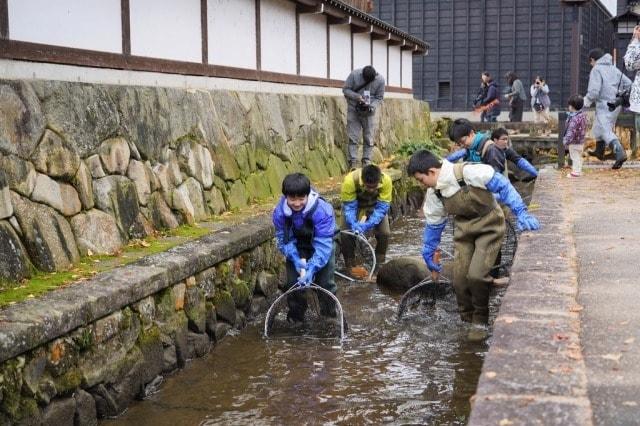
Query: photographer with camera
[(540, 102), (364, 90), (606, 89)]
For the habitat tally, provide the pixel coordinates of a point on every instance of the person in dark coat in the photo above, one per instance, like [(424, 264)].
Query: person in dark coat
[(490, 104)]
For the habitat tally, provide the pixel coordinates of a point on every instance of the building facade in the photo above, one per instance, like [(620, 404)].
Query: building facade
[(294, 42), (550, 38)]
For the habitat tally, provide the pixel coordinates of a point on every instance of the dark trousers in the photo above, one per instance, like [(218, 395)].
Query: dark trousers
[(490, 116), (517, 108), (297, 300)]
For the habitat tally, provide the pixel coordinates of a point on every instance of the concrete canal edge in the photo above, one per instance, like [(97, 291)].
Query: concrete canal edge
[(534, 372), (86, 351)]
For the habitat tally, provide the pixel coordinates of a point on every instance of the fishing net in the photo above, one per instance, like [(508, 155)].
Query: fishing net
[(364, 258), (423, 294), (305, 311)]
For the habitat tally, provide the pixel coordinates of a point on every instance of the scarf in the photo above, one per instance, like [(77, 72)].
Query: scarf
[(474, 152)]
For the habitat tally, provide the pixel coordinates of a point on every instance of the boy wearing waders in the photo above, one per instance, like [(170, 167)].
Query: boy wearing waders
[(466, 191), (366, 193), (305, 225)]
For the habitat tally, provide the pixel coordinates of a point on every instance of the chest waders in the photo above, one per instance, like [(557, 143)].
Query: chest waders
[(366, 203), (297, 300), (479, 229)]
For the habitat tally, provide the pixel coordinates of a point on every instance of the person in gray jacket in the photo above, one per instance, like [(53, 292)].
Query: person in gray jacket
[(364, 90), (605, 81), (516, 97)]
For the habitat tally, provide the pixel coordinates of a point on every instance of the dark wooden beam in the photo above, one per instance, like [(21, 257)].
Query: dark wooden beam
[(303, 9), (258, 36), (396, 42), (204, 31), (125, 16), (297, 42), (4, 19), (378, 36), (332, 20), (359, 30)]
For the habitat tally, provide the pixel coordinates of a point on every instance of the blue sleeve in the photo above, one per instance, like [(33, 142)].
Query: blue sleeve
[(431, 240), (350, 212), (457, 155), (523, 164), (379, 211), (509, 196), (324, 228), (289, 250)]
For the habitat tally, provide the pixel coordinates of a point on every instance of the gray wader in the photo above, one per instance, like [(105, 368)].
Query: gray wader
[(478, 233), (366, 203), (360, 125)]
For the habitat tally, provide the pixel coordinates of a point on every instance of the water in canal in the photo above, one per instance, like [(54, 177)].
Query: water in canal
[(417, 371)]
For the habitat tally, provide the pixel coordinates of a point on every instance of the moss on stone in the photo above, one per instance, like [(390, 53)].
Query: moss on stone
[(225, 163), (275, 173), (149, 337), (315, 163), (240, 292), (68, 382), (221, 297), (27, 410), (262, 157), (258, 187), (237, 197), (127, 319)]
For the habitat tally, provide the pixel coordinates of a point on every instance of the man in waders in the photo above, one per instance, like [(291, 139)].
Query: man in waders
[(366, 193), (305, 226), (466, 191)]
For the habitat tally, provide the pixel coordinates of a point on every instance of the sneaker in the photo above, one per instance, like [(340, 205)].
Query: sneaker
[(573, 175), (477, 333)]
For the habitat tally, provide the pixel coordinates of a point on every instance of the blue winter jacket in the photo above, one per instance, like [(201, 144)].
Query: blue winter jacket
[(324, 226)]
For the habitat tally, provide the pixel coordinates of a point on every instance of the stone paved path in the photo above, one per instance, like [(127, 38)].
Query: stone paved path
[(604, 208)]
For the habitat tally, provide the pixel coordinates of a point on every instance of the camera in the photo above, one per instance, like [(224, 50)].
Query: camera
[(622, 99), (364, 107)]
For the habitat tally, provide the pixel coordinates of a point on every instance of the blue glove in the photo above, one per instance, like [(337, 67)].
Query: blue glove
[(376, 216), (358, 228), (431, 240), (509, 196), (350, 211), (299, 264), (457, 155), (308, 278), (523, 164)]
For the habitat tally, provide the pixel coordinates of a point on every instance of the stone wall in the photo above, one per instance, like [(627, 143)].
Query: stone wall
[(87, 350), (86, 167)]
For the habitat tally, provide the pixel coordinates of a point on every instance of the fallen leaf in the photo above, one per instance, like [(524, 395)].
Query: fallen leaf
[(576, 308), (490, 374), (145, 244), (559, 337), (612, 357), (507, 319), (89, 252), (505, 422), (629, 341), (630, 403), (624, 322)]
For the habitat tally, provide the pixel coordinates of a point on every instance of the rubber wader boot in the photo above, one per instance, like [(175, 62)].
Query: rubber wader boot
[(621, 156), (599, 151), (477, 333)]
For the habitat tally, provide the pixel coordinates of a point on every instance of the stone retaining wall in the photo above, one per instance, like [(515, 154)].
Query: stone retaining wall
[(534, 372), (86, 167), (87, 350)]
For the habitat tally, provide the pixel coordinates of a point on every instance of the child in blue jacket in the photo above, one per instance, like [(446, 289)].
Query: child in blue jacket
[(305, 225)]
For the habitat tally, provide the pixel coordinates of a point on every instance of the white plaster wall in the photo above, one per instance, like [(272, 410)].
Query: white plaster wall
[(394, 66), (340, 51), (380, 57), (166, 29), (278, 36), (232, 33), (93, 25), (313, 45), (362, 50), (407, 69)]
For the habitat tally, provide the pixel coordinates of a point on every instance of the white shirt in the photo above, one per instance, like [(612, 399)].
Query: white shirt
[(475, 174)]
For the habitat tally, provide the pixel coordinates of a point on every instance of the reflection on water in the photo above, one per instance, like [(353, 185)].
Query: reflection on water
[(421, 370)]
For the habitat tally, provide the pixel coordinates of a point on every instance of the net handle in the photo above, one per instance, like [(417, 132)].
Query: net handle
[(364, 239), (298, 286)]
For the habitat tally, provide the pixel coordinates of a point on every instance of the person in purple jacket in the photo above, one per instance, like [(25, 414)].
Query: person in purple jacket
[(305, 225), (575, 130)]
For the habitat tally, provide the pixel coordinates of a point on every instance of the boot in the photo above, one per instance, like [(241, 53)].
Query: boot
[(621, 156), (477, 333), (599, 151)]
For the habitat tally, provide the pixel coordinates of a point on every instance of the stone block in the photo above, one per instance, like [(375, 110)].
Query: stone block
[(225, 307), (47, 235), (195, 160), (215, 201), (59, 412), (195, 309), (94, 165), (61, 196), (259, 305), (169, 359), (137, 172), (222, 328), (20, 174), (56, 157), (199, 345), (83, 184), (258, 187), (267, 284), (117, 196), (107, 327), (85, 414), (160, 214), (179, 291), (21, 121), (6, 208), (206, 281), (241, 319), (237, 196), (96, 231), (210, 320), (146, 308), (225, 163), (189, 200), (115, 154)]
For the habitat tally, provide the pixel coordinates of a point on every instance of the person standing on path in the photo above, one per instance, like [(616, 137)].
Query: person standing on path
[(364, 90), (516, 97), (605, 82), (540, 102), (490, 104), (632, 63), (575, 131)]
